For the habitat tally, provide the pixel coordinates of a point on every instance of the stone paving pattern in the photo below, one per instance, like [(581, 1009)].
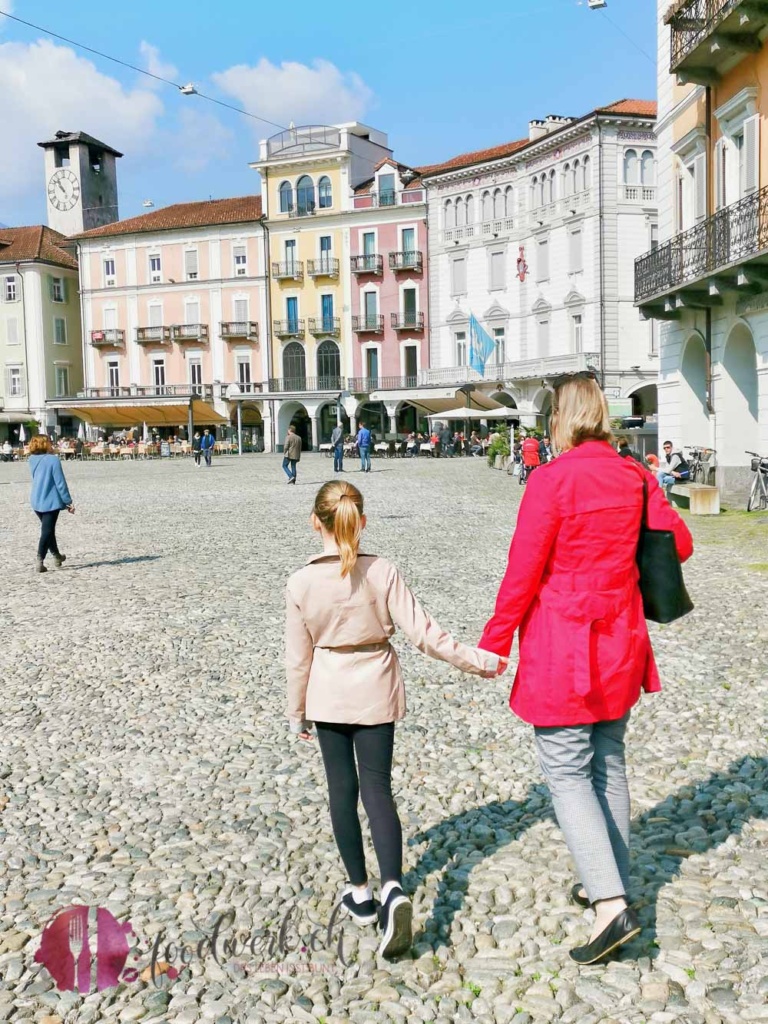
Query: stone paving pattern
[(146, 766)]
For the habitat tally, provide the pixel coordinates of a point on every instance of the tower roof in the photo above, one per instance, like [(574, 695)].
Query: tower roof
[(81, 137)]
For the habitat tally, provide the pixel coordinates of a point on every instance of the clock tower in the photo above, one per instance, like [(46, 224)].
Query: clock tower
[(80, 181)]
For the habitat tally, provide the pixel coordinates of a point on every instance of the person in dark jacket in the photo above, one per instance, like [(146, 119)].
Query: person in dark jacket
[(626, 451), (291, 453), (196, 447), (545, 450), (207, 442), (50, 495)]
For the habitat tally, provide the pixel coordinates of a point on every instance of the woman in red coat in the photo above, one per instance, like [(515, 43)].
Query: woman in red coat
[(585, 654)]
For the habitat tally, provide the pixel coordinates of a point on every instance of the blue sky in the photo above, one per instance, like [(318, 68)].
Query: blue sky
[(439, 78)]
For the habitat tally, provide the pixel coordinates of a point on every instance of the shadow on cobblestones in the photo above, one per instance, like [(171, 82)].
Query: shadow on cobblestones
[(116, 561), (694, 819)]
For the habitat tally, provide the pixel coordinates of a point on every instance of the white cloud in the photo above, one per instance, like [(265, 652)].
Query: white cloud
[(316, 94), (154, 64), (47, 88), (199, 139)]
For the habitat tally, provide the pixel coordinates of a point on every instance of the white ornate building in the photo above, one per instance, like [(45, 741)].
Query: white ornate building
[(537, 239)]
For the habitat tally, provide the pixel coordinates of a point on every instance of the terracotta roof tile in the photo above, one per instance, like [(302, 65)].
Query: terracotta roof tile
[(38, 242), (184, 215), (638, 108)]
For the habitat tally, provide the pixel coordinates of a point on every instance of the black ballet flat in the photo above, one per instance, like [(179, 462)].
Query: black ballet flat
[(623, 927), (577, 898)]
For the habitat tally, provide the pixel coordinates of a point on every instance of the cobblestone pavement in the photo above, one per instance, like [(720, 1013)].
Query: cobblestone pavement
[(146, 767)]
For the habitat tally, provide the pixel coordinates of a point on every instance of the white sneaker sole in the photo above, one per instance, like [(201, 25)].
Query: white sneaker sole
[(398, 937)]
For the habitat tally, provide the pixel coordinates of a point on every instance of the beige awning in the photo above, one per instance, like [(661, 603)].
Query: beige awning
[(502, 412), (103, 414), (436, 400)]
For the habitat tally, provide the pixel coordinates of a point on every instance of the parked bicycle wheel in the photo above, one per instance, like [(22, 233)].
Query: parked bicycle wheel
[(757, 497)]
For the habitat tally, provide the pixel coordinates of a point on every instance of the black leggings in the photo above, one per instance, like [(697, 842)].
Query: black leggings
[(373, 745), (47, 533)]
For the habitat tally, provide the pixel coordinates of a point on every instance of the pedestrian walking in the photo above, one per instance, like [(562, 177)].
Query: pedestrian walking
[(206, 446), (344, 676), (196, 447), (291, 453), (49, 496), (571, 588), (364, 447), (337, 440)]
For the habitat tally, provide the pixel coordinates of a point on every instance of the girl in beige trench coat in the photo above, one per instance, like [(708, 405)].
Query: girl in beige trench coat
[(344, 675)]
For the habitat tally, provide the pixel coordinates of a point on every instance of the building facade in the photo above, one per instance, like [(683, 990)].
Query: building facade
[(173, 304), (40, 337), (706, 281), (536, 239)]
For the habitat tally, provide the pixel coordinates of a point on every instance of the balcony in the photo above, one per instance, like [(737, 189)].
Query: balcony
[(293, 270), (711, 36), (153, 335), (150, 391), (388, 197), (288, 328), (523, 369), (326, 266), (325, 325), (691, 270), (371, 323), (190, 332), (406, 261), (638, 194), (110, 337), (297, 142), (364, 385), (568, 206), (368, 264), (407, 321), (501, 226), (284, 384), (239, 330)]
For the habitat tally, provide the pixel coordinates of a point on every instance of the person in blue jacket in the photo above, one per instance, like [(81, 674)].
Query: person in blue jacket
[(364, 448), (206, 445), (50, 495)]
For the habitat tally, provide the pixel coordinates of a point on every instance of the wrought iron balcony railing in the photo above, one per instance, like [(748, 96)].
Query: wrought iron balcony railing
[(369, 322), (150, 391), (324, 325), (153, 335), (364, 385), (412, 260), (324, 383), (370, 263), (109, 337), (695, 21), (293, 270), (189, 332), (288, 328), (407, 321), (240, 329), (326, 266), (733, 235)]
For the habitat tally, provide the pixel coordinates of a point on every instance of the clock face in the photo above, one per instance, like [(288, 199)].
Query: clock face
[(63, 189)]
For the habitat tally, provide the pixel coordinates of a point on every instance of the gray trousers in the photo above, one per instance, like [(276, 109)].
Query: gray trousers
[(586, 773)]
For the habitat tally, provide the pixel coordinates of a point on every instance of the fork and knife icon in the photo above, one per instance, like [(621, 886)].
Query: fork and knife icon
[(83, 935)]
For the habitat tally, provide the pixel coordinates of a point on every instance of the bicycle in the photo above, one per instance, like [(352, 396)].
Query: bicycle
[(700, 463), (758, 495)]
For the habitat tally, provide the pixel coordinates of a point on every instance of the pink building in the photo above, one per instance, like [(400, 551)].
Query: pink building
[(173, 307), (389, 299)]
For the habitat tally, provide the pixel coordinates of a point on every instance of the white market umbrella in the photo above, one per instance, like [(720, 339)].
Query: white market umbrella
[(145, 433), (81, 431), (22, 434), (502, 412)]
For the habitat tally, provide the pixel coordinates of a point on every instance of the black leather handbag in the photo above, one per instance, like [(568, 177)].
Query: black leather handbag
[(661, 576)]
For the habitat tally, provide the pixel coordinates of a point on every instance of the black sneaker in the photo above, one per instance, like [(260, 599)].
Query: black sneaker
[(395, 920), (361, 913)]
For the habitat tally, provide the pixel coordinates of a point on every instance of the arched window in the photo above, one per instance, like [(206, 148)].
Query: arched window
[(587, 167), (576, 177), (648, 168), (295, 366), (509, 201), (567, 180), (286, 197), (487, 206), (305, 195), (631, 176), (450, 215), (498, 204), (534, 192), (542, 189), (552, 188), (328, 365), (459, 212), (470, 208), (324, 193)]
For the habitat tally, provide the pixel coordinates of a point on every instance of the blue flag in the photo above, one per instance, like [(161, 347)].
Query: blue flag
[(481, 345)]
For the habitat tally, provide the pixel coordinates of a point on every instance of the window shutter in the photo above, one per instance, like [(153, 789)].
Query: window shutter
[(13, 331), (64, 294), (155, 315), (719, 174), (751, 154), (700, 187), (50, 286), (241, 310), (190, 262), (576, 251)]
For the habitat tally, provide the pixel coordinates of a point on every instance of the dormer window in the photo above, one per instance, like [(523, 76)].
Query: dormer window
[(387, 192)]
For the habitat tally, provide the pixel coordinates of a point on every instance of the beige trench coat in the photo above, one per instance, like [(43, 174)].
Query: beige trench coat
[(340, 664)]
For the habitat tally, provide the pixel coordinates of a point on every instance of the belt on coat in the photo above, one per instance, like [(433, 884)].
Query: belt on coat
[(601, 599), (381, 645)]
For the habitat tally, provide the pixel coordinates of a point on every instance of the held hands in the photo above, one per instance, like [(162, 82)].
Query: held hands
[(503, 666)]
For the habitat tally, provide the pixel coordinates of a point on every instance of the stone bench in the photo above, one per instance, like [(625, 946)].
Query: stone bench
[(703, 499)]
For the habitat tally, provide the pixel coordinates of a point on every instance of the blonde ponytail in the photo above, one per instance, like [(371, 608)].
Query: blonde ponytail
[(339, 507)]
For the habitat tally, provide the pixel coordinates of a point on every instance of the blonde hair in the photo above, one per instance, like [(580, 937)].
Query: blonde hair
[(339, 507), (580, 413), (40, 444)]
